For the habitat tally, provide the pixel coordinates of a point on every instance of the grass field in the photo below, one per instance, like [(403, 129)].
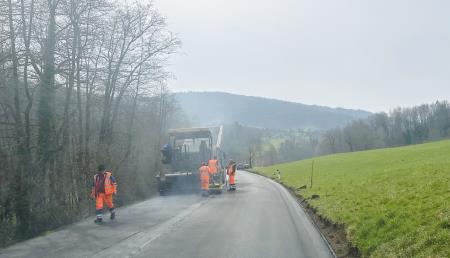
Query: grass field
[(393, 202)]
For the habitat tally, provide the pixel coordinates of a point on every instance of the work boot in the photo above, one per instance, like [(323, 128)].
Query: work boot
[(98, 220), (113, 214)]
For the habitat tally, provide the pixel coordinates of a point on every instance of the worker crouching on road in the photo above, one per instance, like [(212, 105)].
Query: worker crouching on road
[(103, 189), (204, 179), (231, 172)]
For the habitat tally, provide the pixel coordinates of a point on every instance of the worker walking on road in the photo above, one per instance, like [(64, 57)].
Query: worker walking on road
[(231, 172), (204, 179), (103, 189)]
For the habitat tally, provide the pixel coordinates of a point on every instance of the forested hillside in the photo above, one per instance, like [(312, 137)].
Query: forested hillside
[(81, 83), (399, 127), (212, 108)]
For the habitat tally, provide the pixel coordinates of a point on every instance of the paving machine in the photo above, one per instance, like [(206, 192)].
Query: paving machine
[(183, 155)]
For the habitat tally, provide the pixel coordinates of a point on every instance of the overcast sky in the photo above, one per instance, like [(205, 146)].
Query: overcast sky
[(373, 55)]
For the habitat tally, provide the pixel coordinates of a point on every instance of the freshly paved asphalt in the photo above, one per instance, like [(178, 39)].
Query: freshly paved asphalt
[(260, 219)]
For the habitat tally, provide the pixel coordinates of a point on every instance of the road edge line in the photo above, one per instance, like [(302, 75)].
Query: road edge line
[(305, 209)]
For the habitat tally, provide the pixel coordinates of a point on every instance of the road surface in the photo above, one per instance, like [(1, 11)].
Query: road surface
[(260, 219)]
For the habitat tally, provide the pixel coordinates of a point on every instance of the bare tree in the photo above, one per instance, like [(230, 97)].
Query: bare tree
[(77, 77)]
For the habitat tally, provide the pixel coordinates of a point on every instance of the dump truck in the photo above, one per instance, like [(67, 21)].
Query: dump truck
[(182, 156)]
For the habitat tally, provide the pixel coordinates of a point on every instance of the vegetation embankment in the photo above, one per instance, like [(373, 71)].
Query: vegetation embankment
[(392, 202), (81, 83)]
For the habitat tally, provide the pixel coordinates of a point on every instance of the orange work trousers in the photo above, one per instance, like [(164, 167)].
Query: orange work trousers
[(205, 184), (102, 199), (231, 179)]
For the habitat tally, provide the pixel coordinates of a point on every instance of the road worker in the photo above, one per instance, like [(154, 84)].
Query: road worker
[(166, 151), (231, 172), (103, 189), (204, 179), (213, 165)]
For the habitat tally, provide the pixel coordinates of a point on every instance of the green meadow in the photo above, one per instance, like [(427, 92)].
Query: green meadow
[(392, 202)]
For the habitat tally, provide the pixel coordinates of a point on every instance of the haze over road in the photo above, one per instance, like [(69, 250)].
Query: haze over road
[(260, 219)]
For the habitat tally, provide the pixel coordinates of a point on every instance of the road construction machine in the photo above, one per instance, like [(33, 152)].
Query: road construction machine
[(182, 156)]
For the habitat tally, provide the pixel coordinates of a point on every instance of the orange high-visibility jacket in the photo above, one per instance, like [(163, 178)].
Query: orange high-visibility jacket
[(213, 165), (110, 185), (231, 171)]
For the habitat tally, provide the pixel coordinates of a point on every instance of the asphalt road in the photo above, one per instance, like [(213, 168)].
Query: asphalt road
[(260, 219)]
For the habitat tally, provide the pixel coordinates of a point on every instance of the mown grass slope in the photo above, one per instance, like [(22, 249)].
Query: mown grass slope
[(393, 202)]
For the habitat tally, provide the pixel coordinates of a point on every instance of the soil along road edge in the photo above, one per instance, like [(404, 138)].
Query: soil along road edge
[(392, 202), (260, 219), (334, 234)]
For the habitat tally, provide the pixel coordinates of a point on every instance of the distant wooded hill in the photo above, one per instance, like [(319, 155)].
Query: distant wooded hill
[(213, 108)]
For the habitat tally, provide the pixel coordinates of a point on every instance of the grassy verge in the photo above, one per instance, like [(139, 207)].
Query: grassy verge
[(393, 202)]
